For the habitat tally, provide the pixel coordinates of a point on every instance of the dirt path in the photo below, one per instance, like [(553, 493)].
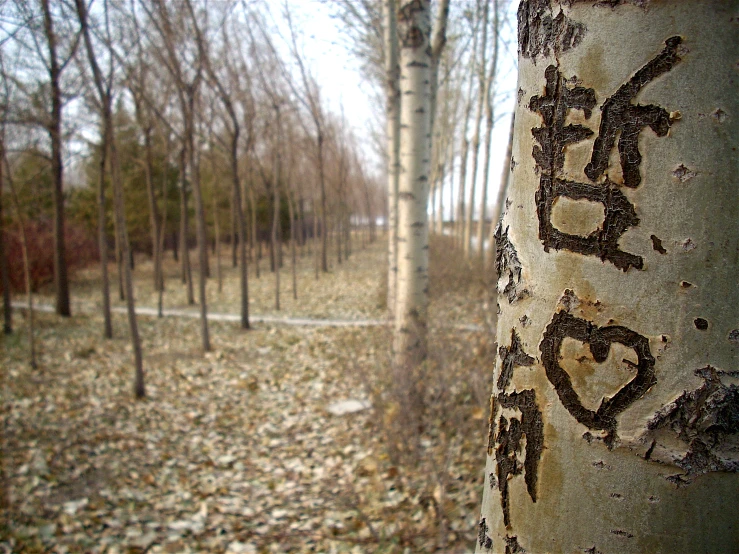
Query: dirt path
[(147, 311)]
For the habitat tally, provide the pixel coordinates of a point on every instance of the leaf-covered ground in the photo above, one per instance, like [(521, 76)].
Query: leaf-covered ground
[(236, 450)]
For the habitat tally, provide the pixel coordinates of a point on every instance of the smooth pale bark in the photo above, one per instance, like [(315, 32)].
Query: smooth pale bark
[(392, 110), (461, 201), (618, 361), (497, 212), (410, 340), (481, 94), (489, 123)]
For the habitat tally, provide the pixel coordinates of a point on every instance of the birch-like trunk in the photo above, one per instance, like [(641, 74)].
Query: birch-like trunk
[(489, 123), (481, 94), (412, 295), (615, 410), (392, 92)]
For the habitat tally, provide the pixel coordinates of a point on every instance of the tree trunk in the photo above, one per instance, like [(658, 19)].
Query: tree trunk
[(4, 271), (193, 162), (497, 213), (412, 301), (184, 229), (461, 201), (153, 209), (392, 103), (276, 219), (26, 268), (489, 123), (217, 240), (481, 94), (618, 323), (61, 281), (163, 229), (293, 246), (316, 255), (103, 241)]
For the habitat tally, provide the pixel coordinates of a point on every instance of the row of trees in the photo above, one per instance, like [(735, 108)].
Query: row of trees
[(442, 86), (176, 102)]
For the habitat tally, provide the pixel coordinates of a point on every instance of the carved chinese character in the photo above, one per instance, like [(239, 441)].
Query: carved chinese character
[(619, 117), (508, 441)]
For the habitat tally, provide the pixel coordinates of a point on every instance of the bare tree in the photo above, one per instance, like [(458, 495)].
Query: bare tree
[(105, 98)]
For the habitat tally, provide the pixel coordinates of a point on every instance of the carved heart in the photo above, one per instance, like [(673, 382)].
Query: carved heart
[(599, 339)]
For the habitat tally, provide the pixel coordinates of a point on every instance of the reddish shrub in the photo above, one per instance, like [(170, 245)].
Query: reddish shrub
[(81, 250)]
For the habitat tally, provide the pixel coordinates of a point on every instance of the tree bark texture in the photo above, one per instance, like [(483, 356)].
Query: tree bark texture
[(615, 411), (412, 294), (392, 103)]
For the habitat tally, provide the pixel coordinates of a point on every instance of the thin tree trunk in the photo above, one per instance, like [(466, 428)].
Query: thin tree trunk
[(26, 264), (316, 254), (163, 227), (203, 272), (276, 212), (153, 210), (4, 271), (461, 201), (184, 230), (293, 246), (489, 122), (481, 93), (61, 280), (234, 233), (392, 103), (498, 208), (219, 275), (118, 203), (103, 241)]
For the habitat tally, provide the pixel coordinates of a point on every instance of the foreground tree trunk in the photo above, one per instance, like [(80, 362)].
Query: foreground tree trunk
[(414, 28), (615, 411)]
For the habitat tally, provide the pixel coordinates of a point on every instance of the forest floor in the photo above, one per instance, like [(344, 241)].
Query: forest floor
[(241, 449)]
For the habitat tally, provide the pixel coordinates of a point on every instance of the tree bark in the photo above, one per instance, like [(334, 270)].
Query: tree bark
[(185, 230), (26, 264), (61, 280), (392, 103), (481, 93), (414, 27), (103, 241), (615, 405), (505, 179), (489, 123), (105, 99), (4, 271)]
